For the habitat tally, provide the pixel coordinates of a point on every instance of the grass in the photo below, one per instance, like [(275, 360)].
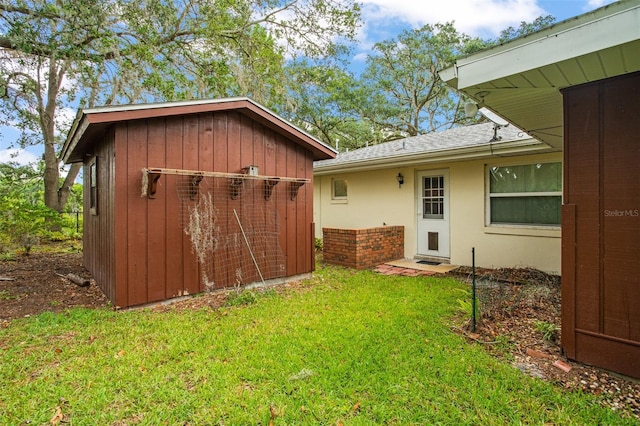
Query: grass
[(353, 348)]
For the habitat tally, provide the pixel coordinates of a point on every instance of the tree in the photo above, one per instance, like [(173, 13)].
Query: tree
[(326, 101), (407, 96), (63, 53), (525, 28)]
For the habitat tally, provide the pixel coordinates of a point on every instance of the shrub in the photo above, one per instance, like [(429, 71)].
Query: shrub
[(25, 219)]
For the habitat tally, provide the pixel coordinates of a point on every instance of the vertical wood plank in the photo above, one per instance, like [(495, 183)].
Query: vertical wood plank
[(264, 247), (275, 214), (190, 162), (582, 129), (310, 243), (157, 214), (569, 280), (234, 164), (269, 153), (221, 193), (248, 204), (282, 201), (292, 212), (137, 276), (109, 271), (205, 163), (174, 227), (121, 157), (302, 222)]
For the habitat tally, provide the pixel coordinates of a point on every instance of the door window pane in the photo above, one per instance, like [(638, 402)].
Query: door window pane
[(433, 197)]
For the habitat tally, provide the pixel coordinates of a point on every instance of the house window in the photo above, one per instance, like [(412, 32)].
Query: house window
[(338, 189), (528, 194), (93, 186)]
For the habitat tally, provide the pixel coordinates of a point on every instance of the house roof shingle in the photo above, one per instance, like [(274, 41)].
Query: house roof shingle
[(474, 141)]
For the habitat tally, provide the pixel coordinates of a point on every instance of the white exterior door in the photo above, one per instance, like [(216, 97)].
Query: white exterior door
[(433, 213)]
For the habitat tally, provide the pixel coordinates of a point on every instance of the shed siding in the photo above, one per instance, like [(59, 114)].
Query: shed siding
[(156, 219), (190, 151), (601, 322), (152, 256), (99, 248), (173, 235)]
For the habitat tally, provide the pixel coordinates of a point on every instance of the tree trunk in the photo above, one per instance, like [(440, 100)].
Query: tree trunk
[(51, 177), (55, 195)]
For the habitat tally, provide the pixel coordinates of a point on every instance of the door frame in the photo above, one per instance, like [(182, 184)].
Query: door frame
[(443, 227)]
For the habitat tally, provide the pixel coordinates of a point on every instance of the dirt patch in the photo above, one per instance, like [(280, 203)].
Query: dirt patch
[(514, 302), (30, 285), (520, 322)]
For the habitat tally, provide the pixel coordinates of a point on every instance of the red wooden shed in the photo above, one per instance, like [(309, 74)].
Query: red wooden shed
[(182, 197)]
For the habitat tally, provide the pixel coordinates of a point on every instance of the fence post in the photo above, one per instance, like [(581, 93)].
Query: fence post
[(473, 288)]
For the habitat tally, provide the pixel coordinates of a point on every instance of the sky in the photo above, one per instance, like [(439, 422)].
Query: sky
[(385, 19)]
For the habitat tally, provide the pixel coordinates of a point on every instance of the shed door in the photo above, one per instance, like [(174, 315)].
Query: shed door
[(433, 213)]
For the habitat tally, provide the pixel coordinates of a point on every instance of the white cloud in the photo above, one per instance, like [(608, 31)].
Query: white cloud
[(594, 4), (20, 156), (484, 18)]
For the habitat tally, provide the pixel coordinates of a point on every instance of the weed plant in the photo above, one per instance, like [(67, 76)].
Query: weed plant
[(548, 330)]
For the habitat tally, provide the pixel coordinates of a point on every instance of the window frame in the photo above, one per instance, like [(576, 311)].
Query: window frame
[(489, 196), (92, 168), (339, 198)]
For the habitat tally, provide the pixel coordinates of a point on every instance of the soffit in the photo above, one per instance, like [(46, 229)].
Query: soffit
[(521, 80)]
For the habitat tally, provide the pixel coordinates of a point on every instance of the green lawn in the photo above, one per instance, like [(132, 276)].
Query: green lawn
[(353, 348)]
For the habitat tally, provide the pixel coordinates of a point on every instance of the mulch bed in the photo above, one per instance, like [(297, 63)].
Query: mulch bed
[(512, 301)]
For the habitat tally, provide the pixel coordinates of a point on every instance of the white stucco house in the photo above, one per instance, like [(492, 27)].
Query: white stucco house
[(483, 186)]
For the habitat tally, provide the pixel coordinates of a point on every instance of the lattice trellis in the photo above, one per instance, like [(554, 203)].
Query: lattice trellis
[(232, 222)]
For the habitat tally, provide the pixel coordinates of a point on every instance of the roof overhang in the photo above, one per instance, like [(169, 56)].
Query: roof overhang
[(526, 146), (521, 80), (90, 123)]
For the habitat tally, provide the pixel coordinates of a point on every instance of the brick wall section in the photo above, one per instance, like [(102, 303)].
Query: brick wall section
[(363, 248)]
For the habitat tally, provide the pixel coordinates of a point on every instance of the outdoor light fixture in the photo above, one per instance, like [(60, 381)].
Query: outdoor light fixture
[(470, 109), (400, 179)]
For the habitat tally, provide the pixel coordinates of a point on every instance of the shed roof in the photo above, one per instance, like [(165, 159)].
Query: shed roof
[(521, 80), (93, 121), (460, 143)]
